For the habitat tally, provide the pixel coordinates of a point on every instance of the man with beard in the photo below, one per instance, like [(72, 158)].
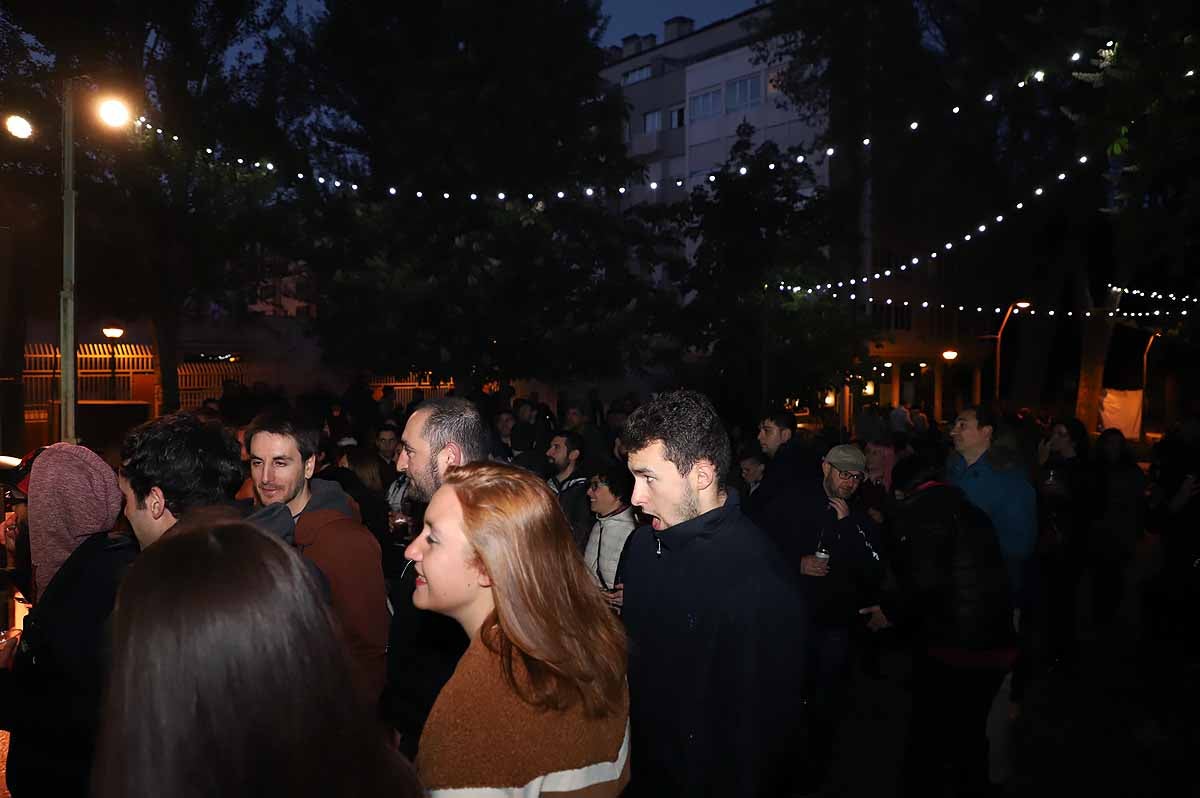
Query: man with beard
[(283, 457), (570, 483), (424, 647), (716, 623), (835, 550)]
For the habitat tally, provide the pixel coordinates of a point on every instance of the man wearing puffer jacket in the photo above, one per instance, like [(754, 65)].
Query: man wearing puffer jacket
[(953, 598)]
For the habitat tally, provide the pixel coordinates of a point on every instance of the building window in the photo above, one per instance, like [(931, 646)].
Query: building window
[(677, 117), (702, 106), (637, 75), (743, 92), (652, 122)]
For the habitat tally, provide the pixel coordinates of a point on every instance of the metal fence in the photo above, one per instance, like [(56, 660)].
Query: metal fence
[(405, 386), (103, 372), (111, 372)]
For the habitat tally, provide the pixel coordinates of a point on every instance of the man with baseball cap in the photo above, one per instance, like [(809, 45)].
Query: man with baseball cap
[(840, 572)]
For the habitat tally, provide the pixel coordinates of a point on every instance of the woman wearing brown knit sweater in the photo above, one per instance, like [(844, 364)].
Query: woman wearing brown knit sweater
[(538, 704)]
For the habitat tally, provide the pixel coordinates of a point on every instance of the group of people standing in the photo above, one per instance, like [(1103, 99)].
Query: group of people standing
[(606, 616)]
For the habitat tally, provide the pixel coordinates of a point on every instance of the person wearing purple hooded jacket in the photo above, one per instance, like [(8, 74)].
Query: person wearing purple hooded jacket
[(53, 671)]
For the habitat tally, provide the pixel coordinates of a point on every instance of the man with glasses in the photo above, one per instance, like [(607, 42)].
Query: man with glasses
[(840, 572)]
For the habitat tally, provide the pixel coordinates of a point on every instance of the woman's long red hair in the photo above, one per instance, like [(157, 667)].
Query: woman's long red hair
[(557, 639)]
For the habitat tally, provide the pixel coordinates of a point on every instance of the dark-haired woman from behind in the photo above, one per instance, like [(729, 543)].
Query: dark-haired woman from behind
[(228, 678), (538, 703)]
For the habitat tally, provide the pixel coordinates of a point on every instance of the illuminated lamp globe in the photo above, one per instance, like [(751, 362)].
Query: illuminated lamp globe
[(18, 127), (950, 354), (114, 113)]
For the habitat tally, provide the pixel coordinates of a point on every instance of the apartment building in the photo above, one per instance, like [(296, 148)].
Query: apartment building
[(687, 96)]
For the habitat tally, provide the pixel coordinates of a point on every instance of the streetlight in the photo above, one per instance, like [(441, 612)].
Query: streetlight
[(950, 354), (113, 113), (1021, 304), (18, 126), (113, 334)]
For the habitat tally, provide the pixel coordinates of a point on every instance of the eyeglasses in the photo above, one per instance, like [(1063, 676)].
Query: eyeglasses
[(596, 484), (851, 475)]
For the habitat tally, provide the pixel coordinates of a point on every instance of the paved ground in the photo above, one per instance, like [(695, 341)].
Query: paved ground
[(1124, 724)]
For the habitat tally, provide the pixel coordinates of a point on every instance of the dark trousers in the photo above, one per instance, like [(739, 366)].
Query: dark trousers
[(826, 680), (947, 752)]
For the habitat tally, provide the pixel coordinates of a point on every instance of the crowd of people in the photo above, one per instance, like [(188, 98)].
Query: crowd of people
[(491, 596)]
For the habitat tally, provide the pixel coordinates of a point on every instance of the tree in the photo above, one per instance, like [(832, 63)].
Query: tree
[(760, 228), (162, 227), (459, 98)]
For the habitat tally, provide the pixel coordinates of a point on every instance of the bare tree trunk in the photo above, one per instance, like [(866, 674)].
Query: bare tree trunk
[(12, 351)]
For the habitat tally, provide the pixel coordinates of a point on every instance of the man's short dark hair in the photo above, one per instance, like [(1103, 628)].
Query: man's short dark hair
[(984, 417), (780, 418), (572, 440), (287, 421), (756, 455), (619, 480), (688, 426), (454, 420), (195, 463)]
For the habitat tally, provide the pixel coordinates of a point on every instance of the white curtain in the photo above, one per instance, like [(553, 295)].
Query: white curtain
[(1123, 410)]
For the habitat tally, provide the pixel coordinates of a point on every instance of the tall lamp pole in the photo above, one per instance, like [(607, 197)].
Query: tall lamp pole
[(1022, 304), (114, 114)]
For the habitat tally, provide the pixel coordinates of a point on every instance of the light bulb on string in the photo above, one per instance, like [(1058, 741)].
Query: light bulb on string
[(771, 166), (354, 186), (1062, 175), (257, 164), (653, 185), (712, 178), (989, 98), (829, 152), (866, 142), (954, 110), (321, 180), (1039, 76), (1075, 56), (240, 161), (799, 159), (529, 197), (560, 195), (500, 196), (983, 228), (1039, 191), (337, 183), (621, 190), (208, 150), (589, 191), (270, 166), (913, 125), (299, 175), (742, 170), (474, 196)]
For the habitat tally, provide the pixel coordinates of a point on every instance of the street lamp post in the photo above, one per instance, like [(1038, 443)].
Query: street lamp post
[(66, 298), (1022, 304), (113, 113)]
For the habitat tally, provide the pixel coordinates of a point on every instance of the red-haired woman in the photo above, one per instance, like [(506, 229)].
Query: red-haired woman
[(539, 702)]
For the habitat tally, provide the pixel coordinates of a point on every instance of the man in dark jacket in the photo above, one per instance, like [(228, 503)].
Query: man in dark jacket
[(791, 474), (835, 551), (953, 599), (716, 624), (424, 647), (570, 483)]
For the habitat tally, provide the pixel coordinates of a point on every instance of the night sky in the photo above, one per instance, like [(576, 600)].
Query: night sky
[(638, 16)]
